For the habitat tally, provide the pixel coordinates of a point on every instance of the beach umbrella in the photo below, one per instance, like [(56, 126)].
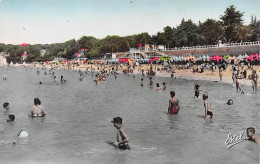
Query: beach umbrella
[(207, 58), (240, 57)]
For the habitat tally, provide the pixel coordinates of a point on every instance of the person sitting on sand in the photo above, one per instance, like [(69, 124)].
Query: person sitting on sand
[(37, 110), (158, 86), (122, 138), (251, 135), (197, 90), (208, 108), (173, 104)]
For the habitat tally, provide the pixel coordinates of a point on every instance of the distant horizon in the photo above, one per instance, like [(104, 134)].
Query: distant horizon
[(48, 21)]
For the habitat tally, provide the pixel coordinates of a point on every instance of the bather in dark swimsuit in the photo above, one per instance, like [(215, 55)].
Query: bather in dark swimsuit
[(210, 113)]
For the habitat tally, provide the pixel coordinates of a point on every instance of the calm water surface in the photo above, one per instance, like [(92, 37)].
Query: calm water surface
[(77, 123)]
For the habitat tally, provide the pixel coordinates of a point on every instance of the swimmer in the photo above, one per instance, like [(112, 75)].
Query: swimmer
[(62, 79), (142, 82), (197, 90), (37, 110), (151, 82), (54, 78), (251, 135), (173, 104), (158, 86), (208, 108), (230, 102), (10, 118), (122, 138), (80, 78), (6, 105), (4, 78), (40, 82), (164, 86), (254, 80), (238, 80)]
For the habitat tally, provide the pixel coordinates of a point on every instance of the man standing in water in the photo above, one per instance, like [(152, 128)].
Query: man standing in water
[(122, 138), (173, 104), (208, 108)]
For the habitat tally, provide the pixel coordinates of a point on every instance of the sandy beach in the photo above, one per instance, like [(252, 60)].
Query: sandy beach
[(188, 74)]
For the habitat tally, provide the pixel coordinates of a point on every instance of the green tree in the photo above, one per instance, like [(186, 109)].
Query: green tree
[(244, 33), (33, 52), (232, 20), (168, 34), (186, 34), (255, 29), (209, 32), (160, 39), (15, 55), (71, 48), (114, 44)]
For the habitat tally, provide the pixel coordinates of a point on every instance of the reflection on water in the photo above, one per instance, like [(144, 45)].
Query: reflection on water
[(78, 118)]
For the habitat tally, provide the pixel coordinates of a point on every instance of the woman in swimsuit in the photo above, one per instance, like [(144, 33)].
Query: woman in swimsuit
[(173, 104), (37, 110), (255, 79), (238, 79)]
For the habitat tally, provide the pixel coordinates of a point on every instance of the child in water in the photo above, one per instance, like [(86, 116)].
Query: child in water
[(122, 138), (158, 86), (197, 90), (251, 135)]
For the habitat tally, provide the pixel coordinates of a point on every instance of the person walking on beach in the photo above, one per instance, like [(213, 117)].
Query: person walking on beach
[(254, 80), (208, 108), (173, 104), (251, 135), (122, 138), (37, 110)]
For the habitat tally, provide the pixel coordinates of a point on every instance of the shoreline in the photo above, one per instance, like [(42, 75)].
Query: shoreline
[(187, 74)]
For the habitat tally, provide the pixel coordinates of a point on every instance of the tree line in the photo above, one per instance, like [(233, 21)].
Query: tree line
[(228, 29)]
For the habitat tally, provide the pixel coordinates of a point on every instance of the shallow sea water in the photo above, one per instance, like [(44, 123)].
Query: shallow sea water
[(77, 123)]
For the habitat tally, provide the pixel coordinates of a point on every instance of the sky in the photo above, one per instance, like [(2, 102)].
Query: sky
[(56, 21)]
